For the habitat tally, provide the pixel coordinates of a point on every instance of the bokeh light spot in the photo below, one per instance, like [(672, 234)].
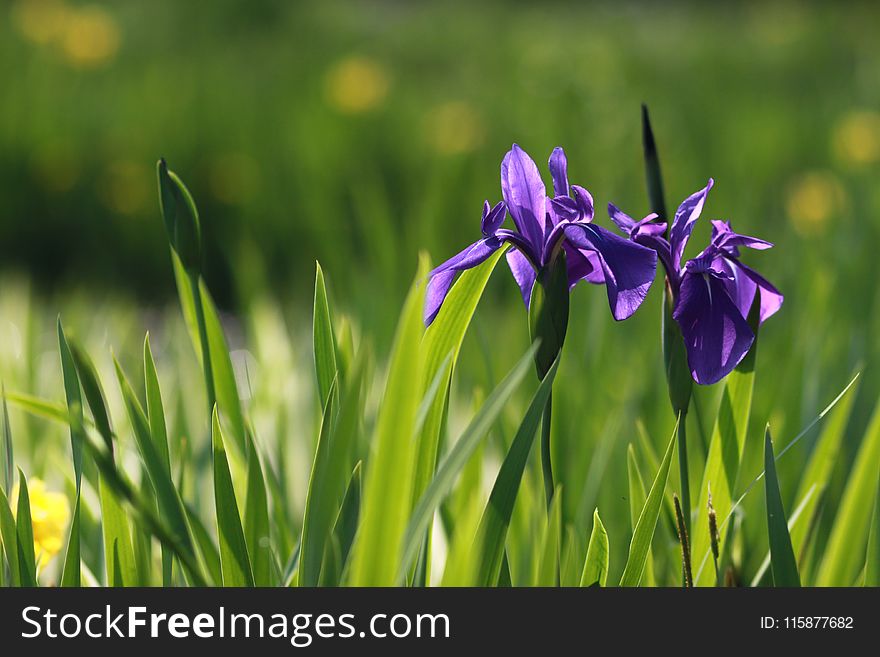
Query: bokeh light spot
[(856, 138), (454, 127), (812, 199), (357, 84)]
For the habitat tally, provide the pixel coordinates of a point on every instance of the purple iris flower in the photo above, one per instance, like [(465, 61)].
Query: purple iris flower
[(713, 293), (543, 228)]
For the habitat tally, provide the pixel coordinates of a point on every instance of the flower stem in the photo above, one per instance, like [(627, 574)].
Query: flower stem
[(683, 469), (546, 465), (687, 575), (203, 339)]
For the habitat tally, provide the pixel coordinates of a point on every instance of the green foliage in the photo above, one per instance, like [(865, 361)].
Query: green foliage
[(388, 476), (323, 339), (235, 565), (596, 565), (643, 533), (782, 561)]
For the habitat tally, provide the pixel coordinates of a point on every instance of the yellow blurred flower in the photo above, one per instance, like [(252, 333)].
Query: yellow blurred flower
[(87, 36), (856, 138), (454, 127), (40, 21), (811, 199), (50, 513), (91, 37), (356, 84)]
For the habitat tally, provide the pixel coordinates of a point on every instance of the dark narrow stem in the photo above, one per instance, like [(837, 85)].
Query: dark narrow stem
[(546, 465), (203, 339), (686, 571), (683, 469), (713, 538)]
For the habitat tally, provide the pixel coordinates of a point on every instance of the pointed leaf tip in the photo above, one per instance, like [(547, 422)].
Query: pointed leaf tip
[(782, 560)]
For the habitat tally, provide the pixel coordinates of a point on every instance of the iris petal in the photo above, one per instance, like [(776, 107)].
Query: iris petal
[(628, 268), (441, 278), (523, 273), (724, 237), (621, 219), (716, 335), (744, 282), (559, 171), (525, 195), (685, 218)]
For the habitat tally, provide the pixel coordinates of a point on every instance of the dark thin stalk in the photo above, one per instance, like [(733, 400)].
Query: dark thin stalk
[(203, 339), (546, 465), (713, 537), (686, 572), (683, 469)]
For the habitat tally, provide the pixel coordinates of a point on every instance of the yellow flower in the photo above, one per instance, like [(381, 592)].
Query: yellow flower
[(49, 515), (812, 199), (856, 138), (356, 84)]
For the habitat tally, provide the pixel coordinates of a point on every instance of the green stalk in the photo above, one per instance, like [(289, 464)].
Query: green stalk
[(546, 463), (683, 470), (548, 324), (203, 338)]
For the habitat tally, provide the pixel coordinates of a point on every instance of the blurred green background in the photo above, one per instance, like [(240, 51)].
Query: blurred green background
[(359, 133)]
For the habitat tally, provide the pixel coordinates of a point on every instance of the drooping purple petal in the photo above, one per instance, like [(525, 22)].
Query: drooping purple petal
[(565, 208), (628, 267), (441, 278), (621, 219), (746, 283), (525, 195), (523, 273), (659, 244), (492, 218), (648, 226), (724, 237), (559, 171), (631, 227), (716, 335), (435, 293), (683, 222), (771, 298), (584, 202), (582, 266)]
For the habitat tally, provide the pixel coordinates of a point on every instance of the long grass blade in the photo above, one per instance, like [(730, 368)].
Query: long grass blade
[(843, 556), (872, 556), (235, 564), (323, 339), (256, 518), (596, 565), (547, 565), (461, 451), (637, 497), (643, 534), (782, 561), (389, 474), (492, 531), (9, 534)]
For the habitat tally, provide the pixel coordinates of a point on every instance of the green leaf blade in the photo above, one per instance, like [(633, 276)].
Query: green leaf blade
[(323, 339), (782, 560), (235, 564), (596, 565), (647, 523), (389, 474)]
